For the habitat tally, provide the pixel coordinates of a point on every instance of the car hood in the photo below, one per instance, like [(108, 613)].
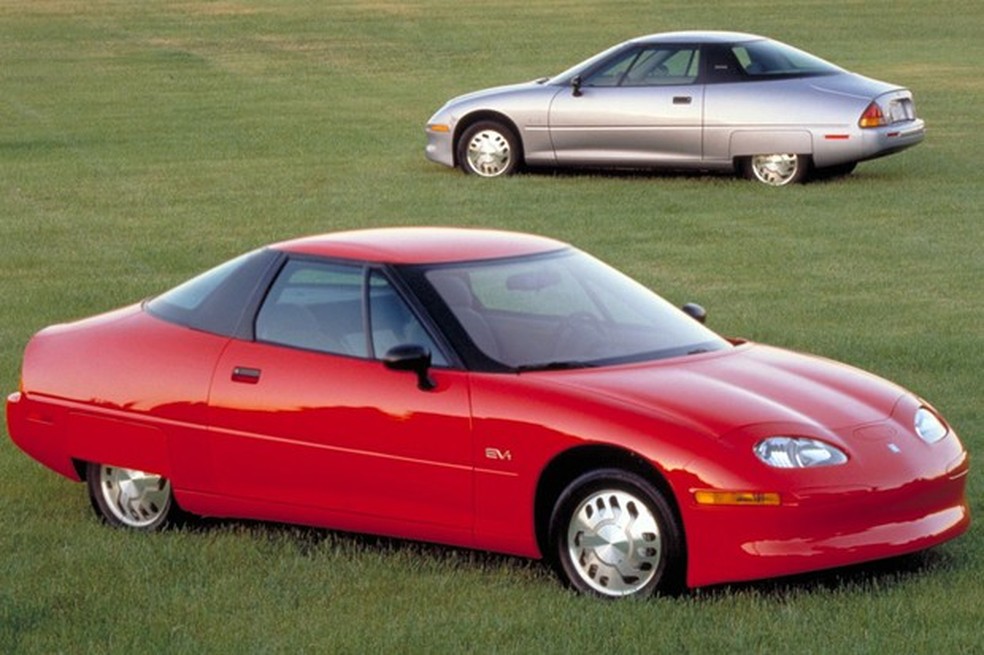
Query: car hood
[(748, 385), (852, 85), (497, 91)]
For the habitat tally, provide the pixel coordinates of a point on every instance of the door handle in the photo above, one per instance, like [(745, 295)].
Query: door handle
[(682, 100), (246, 375)]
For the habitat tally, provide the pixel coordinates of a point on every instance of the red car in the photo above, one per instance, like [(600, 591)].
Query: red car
[(490, 390)]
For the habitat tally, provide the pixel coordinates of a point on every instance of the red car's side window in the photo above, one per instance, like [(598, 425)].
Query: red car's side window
[(315, 306), (320, 306), (392, 323)]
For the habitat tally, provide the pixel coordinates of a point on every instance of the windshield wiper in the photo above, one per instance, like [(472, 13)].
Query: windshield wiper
[(553, 366)]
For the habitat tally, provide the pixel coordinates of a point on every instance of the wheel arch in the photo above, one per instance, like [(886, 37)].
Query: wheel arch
[(485, 115), (571, 464), (745, 143)]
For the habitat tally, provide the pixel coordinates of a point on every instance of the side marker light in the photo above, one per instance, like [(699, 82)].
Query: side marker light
[(760, 498)]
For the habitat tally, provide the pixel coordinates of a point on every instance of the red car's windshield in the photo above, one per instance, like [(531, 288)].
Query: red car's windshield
[(563, 310)]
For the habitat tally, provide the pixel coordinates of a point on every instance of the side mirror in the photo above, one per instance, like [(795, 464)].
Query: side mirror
[(576, 86), (695, 311), (413, 358)]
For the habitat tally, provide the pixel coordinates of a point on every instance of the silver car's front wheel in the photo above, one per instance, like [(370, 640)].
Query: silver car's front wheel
[(129, 498), (488, 149), (614, 535), (777, 169)]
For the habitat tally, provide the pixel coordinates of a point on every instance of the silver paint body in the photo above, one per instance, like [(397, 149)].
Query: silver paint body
[(704, 124)]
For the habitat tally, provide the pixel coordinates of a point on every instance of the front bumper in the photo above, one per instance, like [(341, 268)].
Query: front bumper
[(440, 144), (825, 529)]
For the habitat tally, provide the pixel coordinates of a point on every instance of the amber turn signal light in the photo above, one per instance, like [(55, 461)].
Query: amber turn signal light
[(872, 116), (712, 497)]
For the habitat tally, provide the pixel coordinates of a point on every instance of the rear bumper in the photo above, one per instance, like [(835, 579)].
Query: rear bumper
[(31, 427), (832, 147), (882, 141)]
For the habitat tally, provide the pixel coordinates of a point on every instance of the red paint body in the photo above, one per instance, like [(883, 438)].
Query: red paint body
[(345, 443)]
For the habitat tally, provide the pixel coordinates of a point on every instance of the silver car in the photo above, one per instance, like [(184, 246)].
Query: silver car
[(712, 101)]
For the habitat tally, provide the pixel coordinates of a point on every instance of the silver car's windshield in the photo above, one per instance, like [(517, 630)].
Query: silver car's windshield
[(564, 310), (565, 77)]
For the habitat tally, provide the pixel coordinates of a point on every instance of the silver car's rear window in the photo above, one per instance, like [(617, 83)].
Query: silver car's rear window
[(768, 58)]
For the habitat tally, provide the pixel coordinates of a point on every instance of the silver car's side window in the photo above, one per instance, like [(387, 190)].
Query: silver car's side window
[(654, 66), (664, 67)]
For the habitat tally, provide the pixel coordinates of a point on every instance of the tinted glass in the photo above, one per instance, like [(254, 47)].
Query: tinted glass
[(319, 306), (652, 66), (564, 309), (393, 323), (586, 65), (217, 300), (315, 306), (664, 66), (773, 59)]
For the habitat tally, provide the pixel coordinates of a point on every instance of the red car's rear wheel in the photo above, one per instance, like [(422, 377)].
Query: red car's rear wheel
[(129, 498)]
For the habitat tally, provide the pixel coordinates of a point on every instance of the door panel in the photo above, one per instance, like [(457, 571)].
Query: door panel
[(343, 435), (640, 106), (631, 125)]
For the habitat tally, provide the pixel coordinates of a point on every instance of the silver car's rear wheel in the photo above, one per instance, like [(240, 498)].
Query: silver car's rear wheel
[(488, 149), (614, 535), (777, 169), (129, 498)]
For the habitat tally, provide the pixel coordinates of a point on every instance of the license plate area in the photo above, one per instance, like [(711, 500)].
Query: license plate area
[(901, 110)]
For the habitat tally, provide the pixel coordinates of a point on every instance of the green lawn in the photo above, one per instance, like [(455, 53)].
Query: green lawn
[(141, 142)]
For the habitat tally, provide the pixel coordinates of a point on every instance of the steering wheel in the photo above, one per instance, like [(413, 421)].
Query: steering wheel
[(580, 335)]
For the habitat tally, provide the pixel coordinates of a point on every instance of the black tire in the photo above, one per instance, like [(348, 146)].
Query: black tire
[(777, 169), (614, 535), (489, 149), (127, 498)]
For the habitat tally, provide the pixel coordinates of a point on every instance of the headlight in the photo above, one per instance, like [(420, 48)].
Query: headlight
[(798, 452), (928, 426)]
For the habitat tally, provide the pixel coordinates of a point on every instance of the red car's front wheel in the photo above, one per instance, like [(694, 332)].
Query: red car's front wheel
[(613, 534)]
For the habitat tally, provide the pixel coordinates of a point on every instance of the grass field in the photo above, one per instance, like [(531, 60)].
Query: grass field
[(141, 142)]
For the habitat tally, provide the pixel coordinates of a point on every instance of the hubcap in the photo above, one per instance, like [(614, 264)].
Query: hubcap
[(136, 498), (775, 170), (614, 543), (488, 153)]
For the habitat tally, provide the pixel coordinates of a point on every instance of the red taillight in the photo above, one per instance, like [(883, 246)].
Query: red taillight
[(872, 116)]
